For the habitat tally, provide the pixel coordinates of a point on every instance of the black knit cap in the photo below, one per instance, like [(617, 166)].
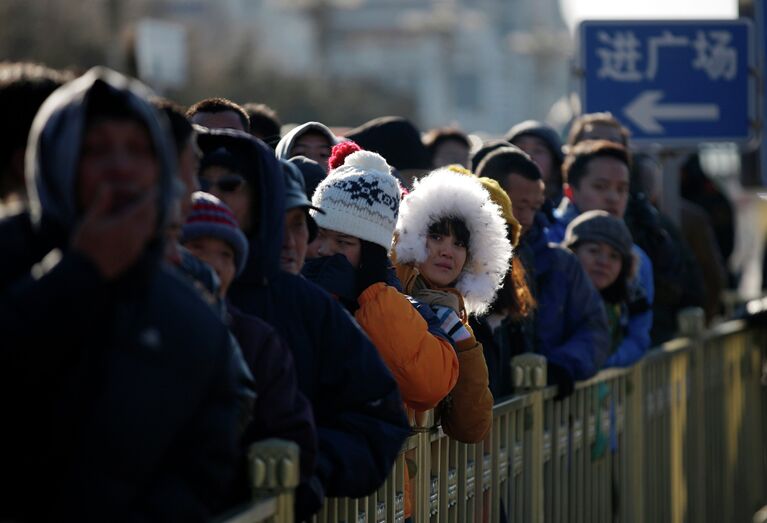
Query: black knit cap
[(602, 227), (538, 130), (396, 139)]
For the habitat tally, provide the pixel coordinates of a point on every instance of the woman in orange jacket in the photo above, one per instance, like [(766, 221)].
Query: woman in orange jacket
[(452, 252), (349, 258)]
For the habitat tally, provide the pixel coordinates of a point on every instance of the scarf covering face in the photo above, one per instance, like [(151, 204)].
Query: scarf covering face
[(447, 194)]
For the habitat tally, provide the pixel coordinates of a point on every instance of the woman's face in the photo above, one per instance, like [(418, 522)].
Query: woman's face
[(231, 188), (601, 262), (445, 260), (330, 242)]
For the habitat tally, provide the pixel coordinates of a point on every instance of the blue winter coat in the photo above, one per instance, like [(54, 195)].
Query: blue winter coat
[(570, 321), (361, 425), (636, 340)]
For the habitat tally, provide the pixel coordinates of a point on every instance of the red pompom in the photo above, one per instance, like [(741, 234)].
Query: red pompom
[(340, 152)]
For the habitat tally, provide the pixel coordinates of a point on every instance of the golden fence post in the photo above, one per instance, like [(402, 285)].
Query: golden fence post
[(274, 471), (634, 491), (536, 452)]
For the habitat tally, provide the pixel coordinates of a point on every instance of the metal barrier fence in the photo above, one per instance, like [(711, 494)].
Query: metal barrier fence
[(678, 437)]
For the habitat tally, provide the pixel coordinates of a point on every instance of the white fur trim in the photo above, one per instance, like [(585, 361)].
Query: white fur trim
[(445, 193)]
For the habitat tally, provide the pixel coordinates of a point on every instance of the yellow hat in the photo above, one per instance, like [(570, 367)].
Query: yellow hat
[(500, 198)]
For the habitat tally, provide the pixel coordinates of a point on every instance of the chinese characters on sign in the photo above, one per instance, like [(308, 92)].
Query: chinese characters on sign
[(623, 51)]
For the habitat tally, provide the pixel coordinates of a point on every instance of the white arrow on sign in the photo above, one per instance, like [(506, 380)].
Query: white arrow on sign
[(645, 111)]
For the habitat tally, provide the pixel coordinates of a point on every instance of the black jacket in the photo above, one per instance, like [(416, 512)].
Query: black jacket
[(358, 411), (121, 401)]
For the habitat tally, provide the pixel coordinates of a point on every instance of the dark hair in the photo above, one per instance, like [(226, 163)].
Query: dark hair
[(24, 86), (487, 148), (264, 123), (515, 297), (181, 129), (577, 160), (508, 160), (436, 137), (452, 226), (606, 118), (219, 105)]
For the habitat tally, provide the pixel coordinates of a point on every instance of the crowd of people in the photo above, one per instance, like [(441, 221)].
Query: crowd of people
[(180, 283)]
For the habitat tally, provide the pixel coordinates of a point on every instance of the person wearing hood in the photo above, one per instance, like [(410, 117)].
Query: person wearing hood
[(357, 408), (212, 234), (312, 139), (544, 146), (360, 203), (452, 252), (311, 171), (300, 227), (399, 142), (98, 150), (570, 325)]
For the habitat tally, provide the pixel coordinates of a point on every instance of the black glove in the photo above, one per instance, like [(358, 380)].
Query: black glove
[(374, 266), (561, 377)]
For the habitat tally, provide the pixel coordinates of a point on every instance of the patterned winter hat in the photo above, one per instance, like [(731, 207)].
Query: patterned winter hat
[(211, 217), (360, 198)]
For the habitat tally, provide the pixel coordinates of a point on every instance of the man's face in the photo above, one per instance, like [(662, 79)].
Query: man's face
[(295, 241), (540, 154), (231, 188), (118, 154), (451, 152), (314, 146), (219, 120), (605, 187), (527, 197)]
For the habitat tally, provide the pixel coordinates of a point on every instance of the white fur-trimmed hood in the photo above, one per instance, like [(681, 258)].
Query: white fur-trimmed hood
[(445, 193)]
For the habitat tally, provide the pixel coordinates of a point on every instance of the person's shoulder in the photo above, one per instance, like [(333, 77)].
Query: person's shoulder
[(179, 303)]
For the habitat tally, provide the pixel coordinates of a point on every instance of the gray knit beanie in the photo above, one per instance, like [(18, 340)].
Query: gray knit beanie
[(600, 226)]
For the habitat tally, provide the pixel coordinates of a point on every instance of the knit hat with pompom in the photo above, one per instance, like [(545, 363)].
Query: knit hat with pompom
[(360, 198)]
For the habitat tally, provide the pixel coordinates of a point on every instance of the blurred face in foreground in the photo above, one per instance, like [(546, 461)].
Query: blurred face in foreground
[(119, 155)]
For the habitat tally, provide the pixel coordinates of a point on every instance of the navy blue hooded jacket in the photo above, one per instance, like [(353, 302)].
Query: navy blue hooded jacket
[(570, 320), (136, 399), (358, 411)]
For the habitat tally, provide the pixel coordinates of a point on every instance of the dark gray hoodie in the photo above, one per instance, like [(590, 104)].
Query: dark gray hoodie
[(138, 405)]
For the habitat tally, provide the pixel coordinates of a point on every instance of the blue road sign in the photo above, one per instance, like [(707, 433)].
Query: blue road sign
[(671, 82)]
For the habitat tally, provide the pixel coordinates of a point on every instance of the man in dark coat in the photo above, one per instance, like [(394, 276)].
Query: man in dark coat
[(131, 392), (357, 407)]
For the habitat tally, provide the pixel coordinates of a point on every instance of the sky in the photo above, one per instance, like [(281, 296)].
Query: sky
[(577, 10)]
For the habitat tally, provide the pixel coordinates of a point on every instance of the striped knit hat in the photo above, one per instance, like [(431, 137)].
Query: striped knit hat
[(211, 217)]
